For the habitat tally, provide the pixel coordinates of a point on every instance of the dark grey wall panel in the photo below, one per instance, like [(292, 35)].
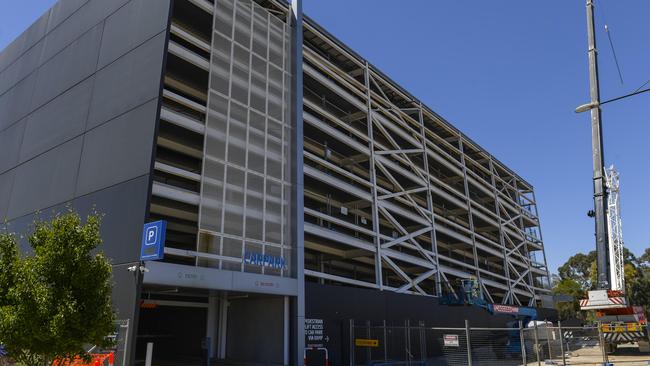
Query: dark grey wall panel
[(73, 133), (22, 67), (6, 181), (131, 25), (58, 121), (15, 103), (24, 41), (24, 225), (128, 82), (46, 180), (246, 318), (123, 207), (36, 50), (10, 140), (75, 63), (62, 10), (87, 17), (118, 150)]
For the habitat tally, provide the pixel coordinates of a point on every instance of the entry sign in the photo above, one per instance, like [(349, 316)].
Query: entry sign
[(153, 241), (451, 340)]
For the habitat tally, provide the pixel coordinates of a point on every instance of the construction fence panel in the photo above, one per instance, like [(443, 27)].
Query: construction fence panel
[(583, 346), (369, 344), (446, 346), (632, 344), (413, 345), (496, 347), (540, 344), (530, 347)]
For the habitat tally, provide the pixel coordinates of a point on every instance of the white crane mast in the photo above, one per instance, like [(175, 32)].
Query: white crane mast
[(615, 229)]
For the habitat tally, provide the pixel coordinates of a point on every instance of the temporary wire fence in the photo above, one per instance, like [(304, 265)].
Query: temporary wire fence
[(373, 344)]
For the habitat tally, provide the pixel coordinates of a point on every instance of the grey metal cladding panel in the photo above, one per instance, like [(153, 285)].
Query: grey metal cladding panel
[(15, 103), (23, 66), (25, 41), (128, 82), (46, 180), (87, 17), (118, 150), (57, 121), (23, 225), (123, 207), (6, 181), (10, 141), (62, 10), (131, 25), (124, 293), (75, 63)]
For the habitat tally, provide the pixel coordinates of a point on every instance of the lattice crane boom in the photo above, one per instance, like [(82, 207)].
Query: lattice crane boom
[(615, 230)]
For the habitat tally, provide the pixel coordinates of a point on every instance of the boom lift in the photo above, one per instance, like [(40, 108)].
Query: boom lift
[(467, 292)]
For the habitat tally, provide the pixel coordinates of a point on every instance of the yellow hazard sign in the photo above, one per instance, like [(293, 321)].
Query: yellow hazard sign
[(621, 328), (362, 342)]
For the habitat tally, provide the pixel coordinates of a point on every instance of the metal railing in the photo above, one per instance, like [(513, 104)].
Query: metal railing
[(542, 343)]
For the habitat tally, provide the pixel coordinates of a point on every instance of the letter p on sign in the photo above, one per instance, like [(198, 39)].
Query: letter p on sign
[(152, 233)]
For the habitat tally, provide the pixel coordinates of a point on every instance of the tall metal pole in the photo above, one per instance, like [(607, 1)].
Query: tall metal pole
[(600, 193), (298, 191)]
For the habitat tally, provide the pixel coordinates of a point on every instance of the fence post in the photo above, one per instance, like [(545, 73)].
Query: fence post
[(351, 342), (548, 341), (537, 345), (522, 341), (385, 343), (601, 340), (423, 341), (407, 329), (469, 343), (368, 349), (559, 327), (149, 354)]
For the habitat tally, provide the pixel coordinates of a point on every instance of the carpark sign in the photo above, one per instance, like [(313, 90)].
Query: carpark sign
[(153, 241)]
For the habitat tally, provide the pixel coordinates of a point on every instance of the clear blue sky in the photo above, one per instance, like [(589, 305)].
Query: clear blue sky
[(509, 74)]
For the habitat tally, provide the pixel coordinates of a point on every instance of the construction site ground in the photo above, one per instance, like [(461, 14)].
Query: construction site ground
[(626, 354)]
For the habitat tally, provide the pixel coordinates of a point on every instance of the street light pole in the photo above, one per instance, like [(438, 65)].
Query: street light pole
[(600, 192)]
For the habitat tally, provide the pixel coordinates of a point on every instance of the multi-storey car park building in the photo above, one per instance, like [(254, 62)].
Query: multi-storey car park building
[(183, 111)]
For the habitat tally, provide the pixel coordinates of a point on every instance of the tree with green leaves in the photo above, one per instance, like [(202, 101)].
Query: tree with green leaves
[(569, 309), (579, 268), (57, 300)]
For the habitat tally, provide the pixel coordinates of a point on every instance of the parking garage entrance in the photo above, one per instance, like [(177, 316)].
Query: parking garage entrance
[(184, 326)]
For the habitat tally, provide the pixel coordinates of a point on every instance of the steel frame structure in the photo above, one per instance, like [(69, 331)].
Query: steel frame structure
[(395, 197), (398, 199)]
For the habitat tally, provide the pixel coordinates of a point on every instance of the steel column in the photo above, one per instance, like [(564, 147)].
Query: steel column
[(600, 192)]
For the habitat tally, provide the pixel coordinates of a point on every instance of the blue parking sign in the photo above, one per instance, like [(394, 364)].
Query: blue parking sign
[(153, 241)]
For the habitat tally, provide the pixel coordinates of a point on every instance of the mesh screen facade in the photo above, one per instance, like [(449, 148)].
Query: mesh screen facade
[(245, 182)]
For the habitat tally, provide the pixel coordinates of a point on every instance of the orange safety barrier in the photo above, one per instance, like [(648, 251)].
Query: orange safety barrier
[(97, 359)]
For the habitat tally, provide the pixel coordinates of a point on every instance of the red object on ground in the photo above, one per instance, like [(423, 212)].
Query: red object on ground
[(97, 359)]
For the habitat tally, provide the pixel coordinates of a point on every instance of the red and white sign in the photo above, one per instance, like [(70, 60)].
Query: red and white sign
[(451, 340), (607, 302), (505, 309)]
